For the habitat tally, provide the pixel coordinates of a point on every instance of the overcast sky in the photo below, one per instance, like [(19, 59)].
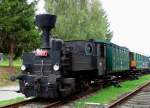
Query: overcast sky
[(130, 21)]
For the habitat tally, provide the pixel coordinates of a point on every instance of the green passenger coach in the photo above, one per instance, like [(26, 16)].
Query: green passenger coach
[(142, 62), (117, 59)]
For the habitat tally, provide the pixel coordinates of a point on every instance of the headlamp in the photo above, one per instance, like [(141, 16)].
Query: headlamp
[(23, 67), (56, 67)]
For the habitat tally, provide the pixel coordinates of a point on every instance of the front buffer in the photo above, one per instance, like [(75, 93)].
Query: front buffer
[(38, 86), (46, 87)]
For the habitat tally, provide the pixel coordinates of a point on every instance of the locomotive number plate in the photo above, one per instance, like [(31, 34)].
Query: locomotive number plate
[(43, 53)]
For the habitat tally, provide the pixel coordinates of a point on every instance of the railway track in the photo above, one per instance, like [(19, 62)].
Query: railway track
[(34, 103), (140, 98), (45, 103)]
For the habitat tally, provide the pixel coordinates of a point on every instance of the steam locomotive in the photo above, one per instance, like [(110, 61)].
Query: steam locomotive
[(61, 68)]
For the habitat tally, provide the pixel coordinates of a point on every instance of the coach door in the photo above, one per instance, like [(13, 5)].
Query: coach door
[(101, 62)]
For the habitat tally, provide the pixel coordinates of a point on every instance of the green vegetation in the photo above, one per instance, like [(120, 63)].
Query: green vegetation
[(17, 28), (11, 101), (6, 72), (111, 93), (79, 19), (16, 63), (5, 79)]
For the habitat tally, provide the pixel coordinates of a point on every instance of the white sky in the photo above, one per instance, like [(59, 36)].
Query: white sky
[(40, 7), (130, 22)]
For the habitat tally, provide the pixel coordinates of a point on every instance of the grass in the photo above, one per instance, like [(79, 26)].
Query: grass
[(109, 94), (7, 73), (5, 79), (16, 63), (11, 101)]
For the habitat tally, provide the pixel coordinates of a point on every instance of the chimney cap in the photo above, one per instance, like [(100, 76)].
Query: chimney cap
[(45, 21)]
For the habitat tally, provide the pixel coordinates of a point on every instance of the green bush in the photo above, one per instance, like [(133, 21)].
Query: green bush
[(16, 63)]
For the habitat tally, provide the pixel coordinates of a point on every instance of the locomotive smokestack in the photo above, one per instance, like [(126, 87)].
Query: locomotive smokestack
[(46, 22)]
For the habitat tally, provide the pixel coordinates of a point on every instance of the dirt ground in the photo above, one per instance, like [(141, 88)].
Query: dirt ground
[(5, 74), (8, 69)]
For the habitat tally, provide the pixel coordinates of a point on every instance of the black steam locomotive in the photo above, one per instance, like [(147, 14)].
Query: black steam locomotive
[(61, 68)]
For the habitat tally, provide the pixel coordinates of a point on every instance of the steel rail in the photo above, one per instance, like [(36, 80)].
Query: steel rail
[(54, 104), (25, 103), (126, 97), (16, 105), (72, 98)]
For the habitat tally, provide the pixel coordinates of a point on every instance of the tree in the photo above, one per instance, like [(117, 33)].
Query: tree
[(17, 29), (79, 19)]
